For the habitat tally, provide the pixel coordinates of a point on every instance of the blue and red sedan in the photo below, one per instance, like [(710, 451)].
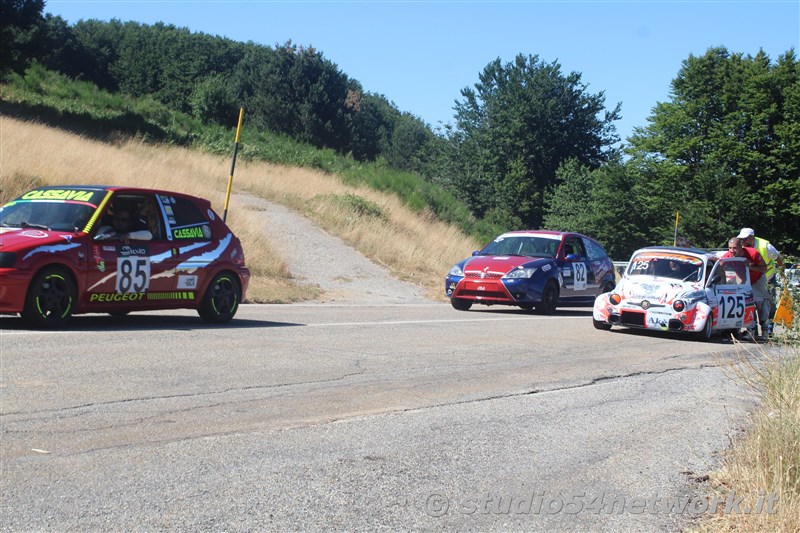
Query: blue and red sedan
[(532, 269), (91, 249)]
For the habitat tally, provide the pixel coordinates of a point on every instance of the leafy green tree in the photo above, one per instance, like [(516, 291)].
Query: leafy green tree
[(520, 122), (296, 91), (212, 100), (605, 203), (724, 149), (97, 52), (57, 46), (408, 141), (18, 23), (372, 122), (570, 206), (167, 62)]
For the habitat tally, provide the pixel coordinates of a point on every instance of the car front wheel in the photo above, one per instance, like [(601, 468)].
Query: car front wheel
[(461, 304), (705, 333), (221, 299), (51, 298), (599, 324), (549, 299)]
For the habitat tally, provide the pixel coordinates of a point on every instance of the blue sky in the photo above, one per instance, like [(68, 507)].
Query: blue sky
[(420, 54)]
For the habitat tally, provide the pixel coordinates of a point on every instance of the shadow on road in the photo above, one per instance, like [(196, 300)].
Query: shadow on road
[(143, 322), (502, 309), (689, 337)]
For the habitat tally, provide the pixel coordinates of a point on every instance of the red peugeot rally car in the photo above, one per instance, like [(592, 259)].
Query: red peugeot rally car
[(93, 249)]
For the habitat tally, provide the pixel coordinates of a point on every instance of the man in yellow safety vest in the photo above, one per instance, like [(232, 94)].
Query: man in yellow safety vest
[(773, 259)]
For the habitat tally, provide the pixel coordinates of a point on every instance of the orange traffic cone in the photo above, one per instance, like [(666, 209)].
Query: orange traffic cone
[(784, 314)]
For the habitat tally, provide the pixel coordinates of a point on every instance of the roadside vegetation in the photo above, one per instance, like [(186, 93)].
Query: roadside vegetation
[(414, 246), (764, 461), (81, 107)]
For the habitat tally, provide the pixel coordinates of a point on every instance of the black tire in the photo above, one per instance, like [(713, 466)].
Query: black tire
[(608, 286), (549, 299), (221, 299), (705, 333), (598, 324), (51, 298), (461, 304)]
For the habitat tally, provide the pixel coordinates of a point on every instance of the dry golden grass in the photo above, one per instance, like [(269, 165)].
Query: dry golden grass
[(415, 248), (765, 461)]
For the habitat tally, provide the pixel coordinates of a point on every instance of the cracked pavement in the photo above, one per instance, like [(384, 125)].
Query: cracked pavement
[(324, 416)]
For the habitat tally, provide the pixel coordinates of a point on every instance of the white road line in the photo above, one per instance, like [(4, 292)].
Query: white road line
[(439, 321), (335, 324)]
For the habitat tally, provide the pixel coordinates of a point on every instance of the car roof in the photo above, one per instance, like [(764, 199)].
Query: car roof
[(119, 188), (544, 233), (703, 254)]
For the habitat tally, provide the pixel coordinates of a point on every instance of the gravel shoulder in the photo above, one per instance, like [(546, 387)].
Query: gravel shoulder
[(317, 258)]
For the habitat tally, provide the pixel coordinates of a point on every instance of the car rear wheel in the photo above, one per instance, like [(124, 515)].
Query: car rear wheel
[(549, 299), (221, 299), (51, 298), (461, 304), (599, 324)]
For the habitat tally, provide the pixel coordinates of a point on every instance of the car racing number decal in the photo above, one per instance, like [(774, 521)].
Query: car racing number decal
[(133, 274), (731, 308), (579, 279)]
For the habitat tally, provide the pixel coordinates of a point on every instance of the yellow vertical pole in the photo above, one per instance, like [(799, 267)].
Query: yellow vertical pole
[(233, 164), (675, 238)]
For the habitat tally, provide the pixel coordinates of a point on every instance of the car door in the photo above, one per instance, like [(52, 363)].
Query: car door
[(124, 276), (599, 265), (729, 292), (574, 269)]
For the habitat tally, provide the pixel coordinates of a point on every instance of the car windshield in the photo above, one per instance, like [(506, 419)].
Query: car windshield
[(47, 215), (675, 266), (524, 245)]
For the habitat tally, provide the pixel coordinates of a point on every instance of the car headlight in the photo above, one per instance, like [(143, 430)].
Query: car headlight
[(7, 259), (456, 271), (520, 273)]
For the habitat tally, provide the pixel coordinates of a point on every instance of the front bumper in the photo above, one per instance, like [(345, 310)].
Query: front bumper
[(13, 288), (644, 315), (493, 290)]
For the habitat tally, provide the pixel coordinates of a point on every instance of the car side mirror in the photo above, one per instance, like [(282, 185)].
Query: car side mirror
[(475, 252), (572, 257)]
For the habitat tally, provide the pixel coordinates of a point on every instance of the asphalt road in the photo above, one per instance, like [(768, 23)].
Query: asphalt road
[(358, 417)]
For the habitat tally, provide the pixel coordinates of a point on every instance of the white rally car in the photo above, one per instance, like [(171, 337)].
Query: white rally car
[(680, 290)]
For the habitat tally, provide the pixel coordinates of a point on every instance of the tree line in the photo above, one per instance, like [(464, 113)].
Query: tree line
[(529, 146)]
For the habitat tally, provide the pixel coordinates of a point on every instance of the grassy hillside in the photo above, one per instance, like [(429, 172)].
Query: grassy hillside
[(56, 130), (414, 246), (82, 108)]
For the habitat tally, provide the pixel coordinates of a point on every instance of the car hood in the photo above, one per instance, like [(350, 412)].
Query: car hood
[(30, 240), (499, 265), (663, 290)]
